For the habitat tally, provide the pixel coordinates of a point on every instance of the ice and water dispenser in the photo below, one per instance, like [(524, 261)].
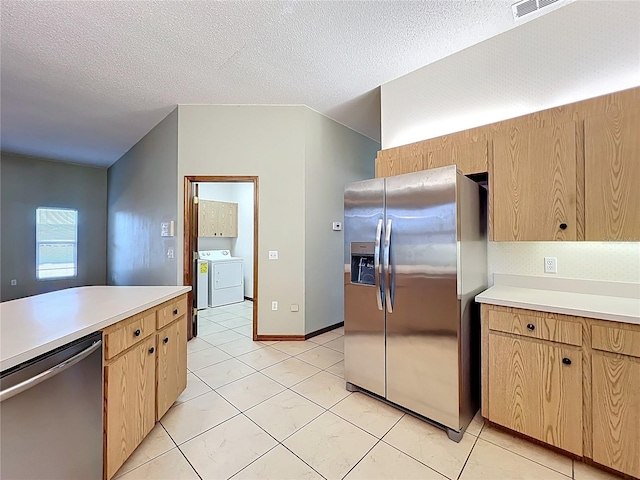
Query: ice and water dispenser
[(362, 263)]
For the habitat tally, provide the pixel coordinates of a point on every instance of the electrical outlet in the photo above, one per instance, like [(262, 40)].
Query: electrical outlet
[(273, 254), (14, 282), (550, 265), (274, 305)]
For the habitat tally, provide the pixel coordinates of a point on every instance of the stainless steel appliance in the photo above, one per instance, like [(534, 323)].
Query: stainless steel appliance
[(415, 257), (51, 415)]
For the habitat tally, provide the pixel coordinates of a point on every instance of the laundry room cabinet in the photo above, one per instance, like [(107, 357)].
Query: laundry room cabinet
[(217, 219)]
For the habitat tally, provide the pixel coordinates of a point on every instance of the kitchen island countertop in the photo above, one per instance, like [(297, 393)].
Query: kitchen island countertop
[(35, 325)]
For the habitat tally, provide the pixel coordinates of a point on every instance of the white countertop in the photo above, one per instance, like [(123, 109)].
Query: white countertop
[(615, 301), (35, 325)]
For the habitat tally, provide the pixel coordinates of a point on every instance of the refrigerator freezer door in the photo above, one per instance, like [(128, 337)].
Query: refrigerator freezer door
[(364, 341), (422, 327)]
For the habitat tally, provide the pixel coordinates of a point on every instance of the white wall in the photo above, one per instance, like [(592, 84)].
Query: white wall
[(583, 50), (260, 141), (608, 261), (334, 156), (242, 246), (244, 243)]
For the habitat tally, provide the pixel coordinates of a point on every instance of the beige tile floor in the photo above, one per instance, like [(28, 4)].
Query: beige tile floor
[(279, 410)]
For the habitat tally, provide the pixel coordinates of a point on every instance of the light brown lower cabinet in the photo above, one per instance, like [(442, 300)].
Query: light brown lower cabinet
[(141, 381), (616, 412), (537, 390), (571, 382), (172, 366)]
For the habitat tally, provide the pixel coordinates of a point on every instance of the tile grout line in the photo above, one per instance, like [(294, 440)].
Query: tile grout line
[(464, 465), (530, 459), (281, 443)]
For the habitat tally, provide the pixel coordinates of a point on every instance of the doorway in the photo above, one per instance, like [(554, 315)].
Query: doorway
[(207, 199)]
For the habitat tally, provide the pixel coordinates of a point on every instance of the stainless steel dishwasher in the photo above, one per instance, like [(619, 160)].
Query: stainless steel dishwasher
[(51, 415)]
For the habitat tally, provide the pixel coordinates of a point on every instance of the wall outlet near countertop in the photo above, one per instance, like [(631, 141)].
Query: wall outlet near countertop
[(550, 265)]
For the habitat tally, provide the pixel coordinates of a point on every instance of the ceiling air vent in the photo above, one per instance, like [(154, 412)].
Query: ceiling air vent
[(527, 7)]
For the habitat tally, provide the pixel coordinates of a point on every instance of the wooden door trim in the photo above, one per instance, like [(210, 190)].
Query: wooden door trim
[(187, 269)]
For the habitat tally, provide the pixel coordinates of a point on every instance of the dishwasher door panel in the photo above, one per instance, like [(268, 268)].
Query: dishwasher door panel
[(53, 430)]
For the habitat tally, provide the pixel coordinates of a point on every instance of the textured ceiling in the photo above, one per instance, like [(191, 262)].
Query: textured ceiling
[(84, 81)]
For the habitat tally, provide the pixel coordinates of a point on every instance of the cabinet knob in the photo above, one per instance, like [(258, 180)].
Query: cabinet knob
[(151, 350), (563, 226), (166, 340), (566, 361), (531, 327), (175, 312), (137, 333)]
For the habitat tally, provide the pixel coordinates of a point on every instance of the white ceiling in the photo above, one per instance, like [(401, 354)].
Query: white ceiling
[(83, 81)]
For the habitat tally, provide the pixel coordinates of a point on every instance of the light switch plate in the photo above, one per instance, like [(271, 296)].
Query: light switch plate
[(273, 254), (295, 307)]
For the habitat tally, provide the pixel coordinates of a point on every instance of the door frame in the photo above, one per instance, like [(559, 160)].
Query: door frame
[(188, 246)]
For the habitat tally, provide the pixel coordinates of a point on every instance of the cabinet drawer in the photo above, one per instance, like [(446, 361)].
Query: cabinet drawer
[(615, 340), (171, 311), (122, 335), (544, 328)]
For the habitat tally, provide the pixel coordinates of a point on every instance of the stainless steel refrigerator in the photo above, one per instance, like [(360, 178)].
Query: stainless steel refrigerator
[(415, 257)]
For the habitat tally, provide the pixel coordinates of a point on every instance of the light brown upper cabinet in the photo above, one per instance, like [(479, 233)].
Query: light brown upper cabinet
[(534, 184), (398, 166), (612, 171), (217, 219), (469, 157)]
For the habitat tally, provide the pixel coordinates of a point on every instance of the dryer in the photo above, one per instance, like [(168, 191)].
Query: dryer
[(226, 277)]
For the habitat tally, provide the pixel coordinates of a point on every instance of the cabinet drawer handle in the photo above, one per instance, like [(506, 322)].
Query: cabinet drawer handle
[(531, 327), (151, 350), (175, 312), (166, 340), (137, 333), (566, 361), (563, 226)]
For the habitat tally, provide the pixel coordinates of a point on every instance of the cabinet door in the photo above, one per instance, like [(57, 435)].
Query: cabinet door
[(469, 157), (172, 365), (397, 166), (534, 390), (228, 225), (208, 213), (612, 171), (129, 402), (534, 184), (616, 412)]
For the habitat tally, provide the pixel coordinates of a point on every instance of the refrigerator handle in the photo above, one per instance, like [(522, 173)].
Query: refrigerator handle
[(376, 264), (387, 267)]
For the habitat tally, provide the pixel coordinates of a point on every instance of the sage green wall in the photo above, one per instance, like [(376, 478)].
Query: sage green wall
[(28, 183), (334, 156), (142, 195)]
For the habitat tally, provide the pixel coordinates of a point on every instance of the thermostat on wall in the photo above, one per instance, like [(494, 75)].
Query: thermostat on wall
[(166, 229), (337, 226)]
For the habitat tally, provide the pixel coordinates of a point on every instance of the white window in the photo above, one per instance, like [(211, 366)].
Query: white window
[(56, 243)]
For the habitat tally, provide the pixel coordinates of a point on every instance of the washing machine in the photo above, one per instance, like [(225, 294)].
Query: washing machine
[(202, 296), (226, 277)]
